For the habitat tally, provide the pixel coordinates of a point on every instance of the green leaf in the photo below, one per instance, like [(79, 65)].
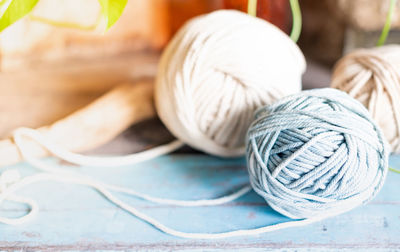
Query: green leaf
[(112, 10), (12, 11)]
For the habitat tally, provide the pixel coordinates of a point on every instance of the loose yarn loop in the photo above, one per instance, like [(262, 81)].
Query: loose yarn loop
[(316, 154), (372, 76), (217, 70), (10, 182), (95, 161)]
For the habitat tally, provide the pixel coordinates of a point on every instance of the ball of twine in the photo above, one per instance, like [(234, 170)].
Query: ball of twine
[(216, 71), (372, 76), (316, 154)]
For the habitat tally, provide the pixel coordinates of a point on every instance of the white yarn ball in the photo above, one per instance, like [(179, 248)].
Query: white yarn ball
[(217, 70), (372, 76)]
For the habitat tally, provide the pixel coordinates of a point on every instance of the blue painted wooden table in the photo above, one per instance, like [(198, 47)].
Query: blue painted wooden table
[(75, 217)]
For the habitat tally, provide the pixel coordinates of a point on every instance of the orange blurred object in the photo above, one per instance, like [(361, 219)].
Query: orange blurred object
[(275, 11), (183, 10)]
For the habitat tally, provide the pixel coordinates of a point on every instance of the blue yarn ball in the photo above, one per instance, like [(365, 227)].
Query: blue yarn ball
[(315, 154)]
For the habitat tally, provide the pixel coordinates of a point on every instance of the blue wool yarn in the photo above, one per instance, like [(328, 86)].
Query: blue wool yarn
[(316, 154)]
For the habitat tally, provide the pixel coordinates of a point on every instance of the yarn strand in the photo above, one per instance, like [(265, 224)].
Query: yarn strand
[(49, 173), (66, 155), (84, 160), (8, 194)]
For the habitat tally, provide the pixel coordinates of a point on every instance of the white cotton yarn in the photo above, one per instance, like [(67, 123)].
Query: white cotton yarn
[(217, 70), (372, 76)]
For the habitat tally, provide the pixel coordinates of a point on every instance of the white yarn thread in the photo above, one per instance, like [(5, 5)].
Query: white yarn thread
[(10, 181), (10, 184), (85, 160), (66, 176), (217, 70), (7, 194), (8, 178)]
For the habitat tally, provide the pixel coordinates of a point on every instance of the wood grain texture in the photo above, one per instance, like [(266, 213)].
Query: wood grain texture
[(93, 125), (144, 25), (78, 218), (40, 95)]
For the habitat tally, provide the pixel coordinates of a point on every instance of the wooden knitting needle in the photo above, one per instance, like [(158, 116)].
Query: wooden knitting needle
[(92, 125)]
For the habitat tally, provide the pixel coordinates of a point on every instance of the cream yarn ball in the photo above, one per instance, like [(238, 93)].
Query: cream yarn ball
[(372, 76), (217, 70)]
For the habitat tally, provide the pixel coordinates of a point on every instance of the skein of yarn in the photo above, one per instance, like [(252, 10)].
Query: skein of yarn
[(217, 70), (316, 154), (372, 76)]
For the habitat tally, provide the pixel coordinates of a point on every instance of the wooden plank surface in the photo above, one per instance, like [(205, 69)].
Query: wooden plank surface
[(78, 218), (41, 95)]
